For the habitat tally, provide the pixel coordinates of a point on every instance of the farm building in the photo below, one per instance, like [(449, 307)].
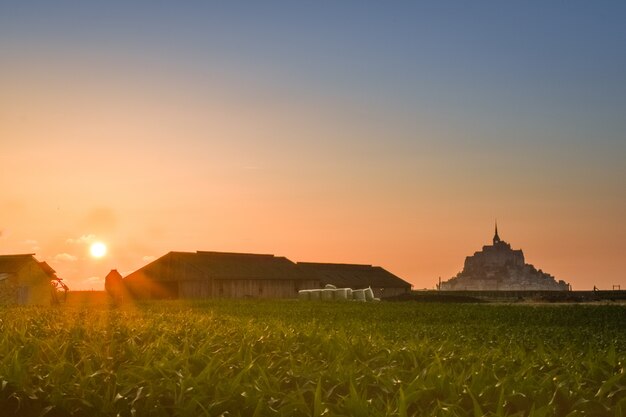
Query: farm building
[(383, 282), (219, 274), (114, 285), (24, 280)]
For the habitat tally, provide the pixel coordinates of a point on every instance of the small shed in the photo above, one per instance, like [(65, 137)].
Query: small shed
[(219, 275), (383, 283), (25, 281)]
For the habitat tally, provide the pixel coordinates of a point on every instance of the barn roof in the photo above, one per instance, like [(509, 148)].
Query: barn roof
[(47, 268), (220, 265), (353, 275), (13, 263)]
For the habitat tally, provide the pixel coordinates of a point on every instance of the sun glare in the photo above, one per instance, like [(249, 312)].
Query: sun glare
[(98, 249)]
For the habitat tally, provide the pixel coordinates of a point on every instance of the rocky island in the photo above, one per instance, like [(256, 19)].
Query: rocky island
[(497, 267)]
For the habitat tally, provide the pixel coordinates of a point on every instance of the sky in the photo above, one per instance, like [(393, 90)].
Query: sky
[(392, 134)]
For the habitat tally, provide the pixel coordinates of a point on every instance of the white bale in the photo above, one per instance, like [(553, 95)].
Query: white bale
[(358, 295), (349, 293), (315, 294), (304, 295), (341, 293), (329, 286), (328, 294), (369, 294)]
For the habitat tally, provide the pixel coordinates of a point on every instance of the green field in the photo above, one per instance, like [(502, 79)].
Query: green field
[(250, 358)]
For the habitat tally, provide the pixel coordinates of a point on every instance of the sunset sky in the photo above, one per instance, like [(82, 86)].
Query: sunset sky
[(384, 133)]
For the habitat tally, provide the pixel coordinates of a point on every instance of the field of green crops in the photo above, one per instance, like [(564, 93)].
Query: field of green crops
[(253, 358)]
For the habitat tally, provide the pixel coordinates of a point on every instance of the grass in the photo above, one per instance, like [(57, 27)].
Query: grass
[(255, 358)]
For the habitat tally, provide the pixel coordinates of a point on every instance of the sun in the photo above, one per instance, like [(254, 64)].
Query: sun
[(98, 249)]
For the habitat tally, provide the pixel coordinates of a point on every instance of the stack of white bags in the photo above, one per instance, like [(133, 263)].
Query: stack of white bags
[(330, 292)]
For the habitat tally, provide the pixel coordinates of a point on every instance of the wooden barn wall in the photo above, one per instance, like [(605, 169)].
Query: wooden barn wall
[(31, 285), (262, 288), (137, 285), (140, 286), (244, 288), (35, 285), (8, 291), (195, 289)]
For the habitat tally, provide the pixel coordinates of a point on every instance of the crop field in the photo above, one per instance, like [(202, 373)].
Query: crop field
[(265, 358)]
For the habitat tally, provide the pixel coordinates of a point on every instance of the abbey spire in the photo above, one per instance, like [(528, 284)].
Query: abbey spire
[(496, 238)]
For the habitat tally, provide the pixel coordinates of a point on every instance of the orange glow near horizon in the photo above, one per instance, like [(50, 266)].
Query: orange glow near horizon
[(418, 214), (155, 159)]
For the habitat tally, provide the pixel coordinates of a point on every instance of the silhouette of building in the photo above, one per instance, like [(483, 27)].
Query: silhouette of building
[(383, 283), (244, 275), (219, 274), (114, 285), (498, 267), (24, 281)]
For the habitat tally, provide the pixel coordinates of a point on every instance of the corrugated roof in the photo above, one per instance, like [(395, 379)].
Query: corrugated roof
[(220, 265), (353, 275)]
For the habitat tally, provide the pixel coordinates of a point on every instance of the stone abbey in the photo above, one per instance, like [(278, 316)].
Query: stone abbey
[(497, 267)]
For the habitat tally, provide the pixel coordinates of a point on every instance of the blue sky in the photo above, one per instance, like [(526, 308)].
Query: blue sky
[(561, 59)]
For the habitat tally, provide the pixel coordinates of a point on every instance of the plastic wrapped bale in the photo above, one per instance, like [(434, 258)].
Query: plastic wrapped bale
[(342, 293), (328, 294), (304, 295), (358, 295), (369, 294), (330, 286), (315, 294), (349, 293)]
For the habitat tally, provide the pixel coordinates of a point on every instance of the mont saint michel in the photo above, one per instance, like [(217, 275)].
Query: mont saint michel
[(497, 267)]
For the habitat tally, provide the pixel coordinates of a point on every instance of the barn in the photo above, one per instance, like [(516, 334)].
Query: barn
[(383, 283), (219, 274), (25, 281)]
